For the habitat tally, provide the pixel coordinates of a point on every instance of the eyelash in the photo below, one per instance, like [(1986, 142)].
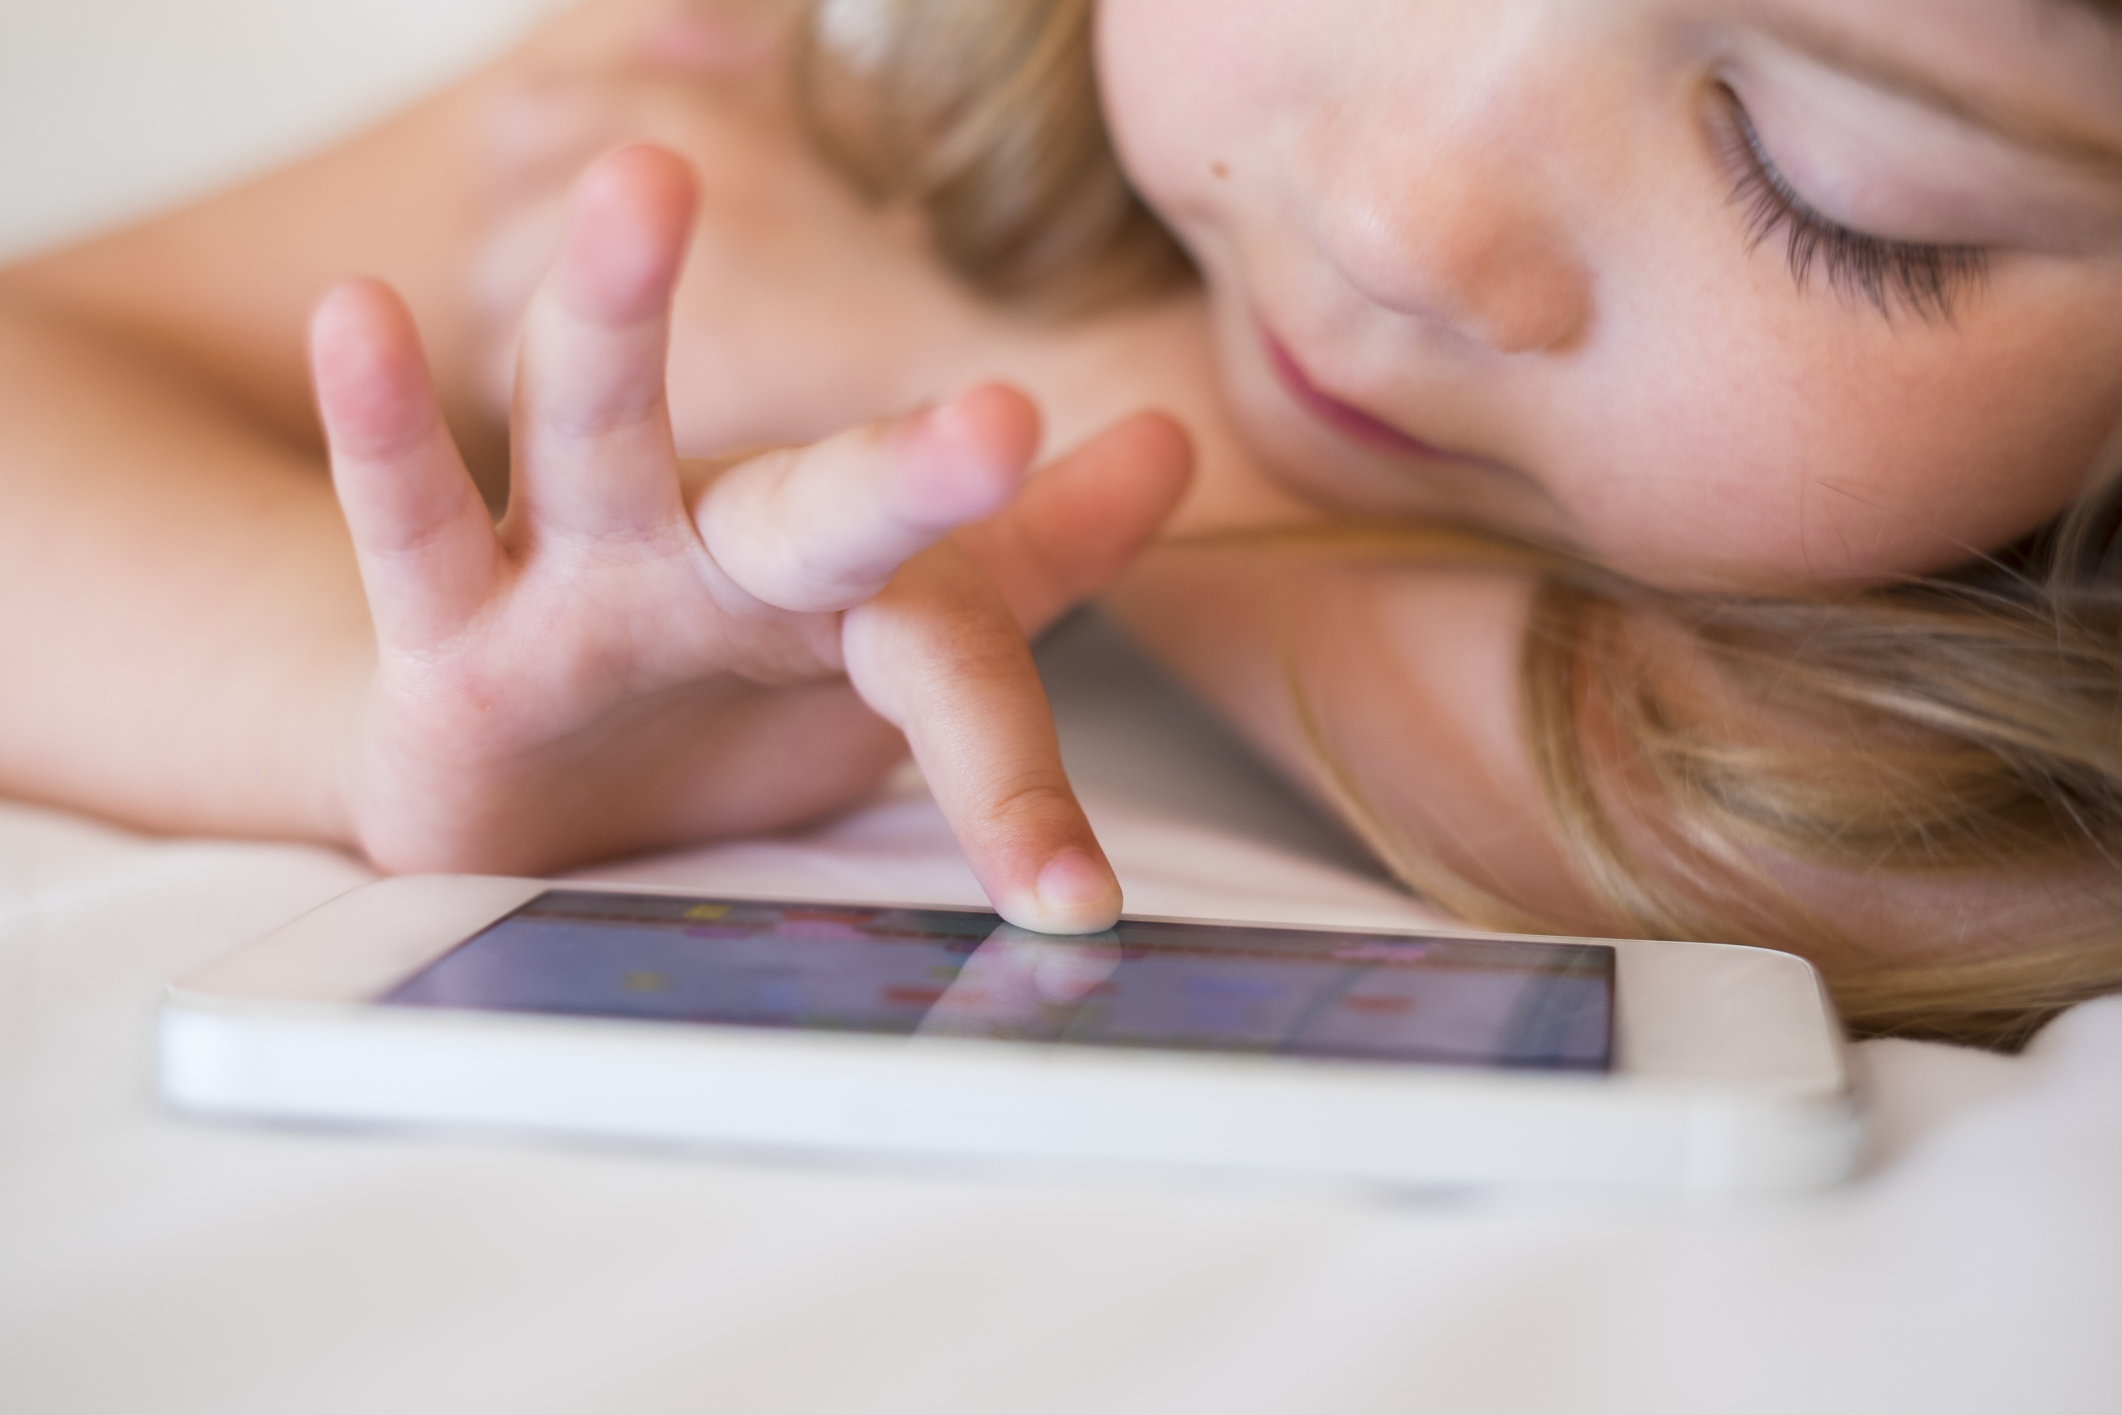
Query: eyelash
[(1926, 279)]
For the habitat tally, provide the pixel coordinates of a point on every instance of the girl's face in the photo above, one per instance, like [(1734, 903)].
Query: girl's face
[(1732, 294)]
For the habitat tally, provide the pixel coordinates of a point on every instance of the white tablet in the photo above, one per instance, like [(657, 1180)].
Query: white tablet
[(1425, 1060)]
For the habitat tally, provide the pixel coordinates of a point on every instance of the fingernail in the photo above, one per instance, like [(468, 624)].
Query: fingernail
[(1077, 894)]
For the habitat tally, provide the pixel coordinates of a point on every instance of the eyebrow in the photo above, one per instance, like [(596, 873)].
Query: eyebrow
[(2037, 131)]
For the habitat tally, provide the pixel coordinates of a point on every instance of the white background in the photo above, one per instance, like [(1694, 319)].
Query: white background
[(112, 108)]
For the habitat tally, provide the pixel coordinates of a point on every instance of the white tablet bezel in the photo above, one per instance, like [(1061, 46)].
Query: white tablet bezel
[(1689, 1012), (1729, 1074)]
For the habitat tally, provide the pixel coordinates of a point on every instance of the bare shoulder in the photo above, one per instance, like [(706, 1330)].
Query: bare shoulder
[(222, 288)]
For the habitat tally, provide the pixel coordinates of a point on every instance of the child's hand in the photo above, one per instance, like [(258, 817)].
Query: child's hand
[(633, 658)]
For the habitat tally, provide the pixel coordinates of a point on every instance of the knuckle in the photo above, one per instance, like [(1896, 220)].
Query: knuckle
[(1030, 798)]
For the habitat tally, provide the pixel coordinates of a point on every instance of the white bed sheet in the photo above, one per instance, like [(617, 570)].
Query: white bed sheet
[(153, 1264), (150, 1264)]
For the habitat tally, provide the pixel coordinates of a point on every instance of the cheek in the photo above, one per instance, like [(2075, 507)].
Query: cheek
[(1184, 83), (1144, 117), (1820, 443)]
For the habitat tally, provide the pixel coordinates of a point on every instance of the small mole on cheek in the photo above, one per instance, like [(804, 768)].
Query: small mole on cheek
[(1219, 169)]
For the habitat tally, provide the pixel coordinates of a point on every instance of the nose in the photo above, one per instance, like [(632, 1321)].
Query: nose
[(1447, 222)]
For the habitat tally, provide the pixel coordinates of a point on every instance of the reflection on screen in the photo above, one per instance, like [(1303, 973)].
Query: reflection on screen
[(966, 973)]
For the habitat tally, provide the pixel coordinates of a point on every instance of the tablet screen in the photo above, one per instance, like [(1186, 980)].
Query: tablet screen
[(966, 973)]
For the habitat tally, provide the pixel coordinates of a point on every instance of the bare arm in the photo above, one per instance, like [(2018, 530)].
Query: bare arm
[(185, 624), (183, 627)]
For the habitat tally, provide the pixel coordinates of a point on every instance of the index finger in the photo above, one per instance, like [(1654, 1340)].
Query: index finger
[(939, 654)]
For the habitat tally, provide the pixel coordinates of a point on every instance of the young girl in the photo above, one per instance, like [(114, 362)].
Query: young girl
[(1654, 461)]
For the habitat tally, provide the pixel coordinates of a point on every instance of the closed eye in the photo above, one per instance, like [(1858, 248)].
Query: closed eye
[(1927, 280)]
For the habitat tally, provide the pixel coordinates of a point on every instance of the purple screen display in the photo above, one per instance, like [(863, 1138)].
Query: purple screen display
[(965, 973)]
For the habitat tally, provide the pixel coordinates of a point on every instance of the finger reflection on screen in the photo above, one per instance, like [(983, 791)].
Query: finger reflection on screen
[(1024, 985)]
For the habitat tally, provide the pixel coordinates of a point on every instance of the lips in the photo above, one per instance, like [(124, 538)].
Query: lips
[(1345, 418)]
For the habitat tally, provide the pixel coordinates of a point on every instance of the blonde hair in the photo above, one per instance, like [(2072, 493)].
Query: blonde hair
[(1959, 727), (986, 116)]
